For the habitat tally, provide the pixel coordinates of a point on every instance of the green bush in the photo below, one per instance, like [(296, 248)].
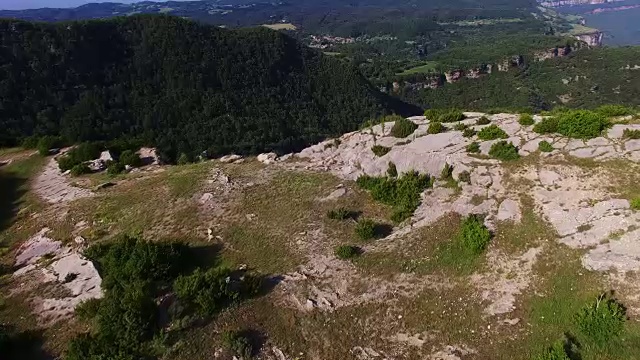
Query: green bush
[(433, 114), (47, 143), (446, 172), (366, 229), (238, 343), (88, 309), (615, 110), (504, 151), (346, 252), (473, 148), (602, 321), (474, 236), (128, 157), (526, 120), (492, 132), (460, 127), (545, 146), (403, 128), (436, 128), (483, 121), (392, 171), (468, 132), (631, 134), (380, 150), (635, 204), (183, 159), (582, 124), (78, 155), (465, 177), (80, 169), (546, 126), (402, 193), (115, 168), (206, 291), (339, 214), (554, 352), (451, 116)]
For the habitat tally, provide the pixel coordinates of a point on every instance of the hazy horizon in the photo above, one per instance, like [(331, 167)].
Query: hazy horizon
[(37, 4)]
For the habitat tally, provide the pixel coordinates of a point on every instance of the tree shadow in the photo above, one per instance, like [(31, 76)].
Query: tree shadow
[(256, 339), (26, 345), (11, 191), (572, 347)]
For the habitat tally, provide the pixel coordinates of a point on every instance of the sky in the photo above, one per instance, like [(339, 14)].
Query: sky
[(35, 4)]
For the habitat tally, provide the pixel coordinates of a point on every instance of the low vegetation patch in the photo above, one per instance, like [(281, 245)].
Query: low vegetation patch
[(546, 126), (635, 203), (631, 134), (615, 110), (504, 151), (462, 252), (366, 229), (403, 128), (468, 132), (126, 320), (554, 352), (464, 177), (545, 146), (392, 171), (526, 120), (346, 252), (473, 148), (451, 116), (602, 321), (380, 150), (492, 132), (238, 343), (78, 155), (460, 127), (436, 128), (402, 193), (340, 214), (446, 172), (474, 236), (483, 121)]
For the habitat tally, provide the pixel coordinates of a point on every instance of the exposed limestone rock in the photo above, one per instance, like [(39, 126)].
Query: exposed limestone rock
[(230, 158), (509, 210), (53, 187), (267, 158)]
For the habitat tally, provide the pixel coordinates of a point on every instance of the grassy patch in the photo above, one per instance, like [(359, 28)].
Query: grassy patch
[(483, 121), (473, 148), (461, 253), (346, 252), (504, 151), (403, 128), (428, 67), (380, 150), (545, 146), (436, 128), (526, 120)]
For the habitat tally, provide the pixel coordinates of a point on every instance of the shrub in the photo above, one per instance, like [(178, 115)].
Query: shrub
[(436, 128), (582, 124), (366, 229), (88, 309), (183, 159), (392, 171), (403, 128), (47, 143), (473, 148), (464, 176), (615, 110), (546, 126), (635, 204), (554, 352), (115, 168), (504, 151), (601, 321), (380, 150), (483, 121), (80, 169), (128, 157), (402, 193), (474, 235), (526, 120), (238, 343), (446, 172), (492, 132), (631, 134), (451, 116), (433, 114), (339, 214), (468, 132), (545, 146), (346, 252), (207, 292), (460, 127), (78, 155)]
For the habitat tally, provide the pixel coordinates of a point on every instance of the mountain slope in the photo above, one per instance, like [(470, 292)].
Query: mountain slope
[(177, 84)]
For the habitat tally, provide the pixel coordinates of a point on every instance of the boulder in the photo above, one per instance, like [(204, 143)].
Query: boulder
[(267, 158), (230, 158)]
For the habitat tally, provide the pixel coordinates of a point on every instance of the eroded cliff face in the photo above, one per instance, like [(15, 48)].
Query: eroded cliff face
[(592, 39), (559, 3)]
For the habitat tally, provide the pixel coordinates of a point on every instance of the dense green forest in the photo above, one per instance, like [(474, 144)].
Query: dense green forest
[(585, 79), (173, 83)]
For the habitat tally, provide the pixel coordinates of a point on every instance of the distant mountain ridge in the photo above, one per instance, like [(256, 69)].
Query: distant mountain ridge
[(178, 85)]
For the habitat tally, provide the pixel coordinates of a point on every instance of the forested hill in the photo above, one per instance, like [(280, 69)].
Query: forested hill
[(182, 86)]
